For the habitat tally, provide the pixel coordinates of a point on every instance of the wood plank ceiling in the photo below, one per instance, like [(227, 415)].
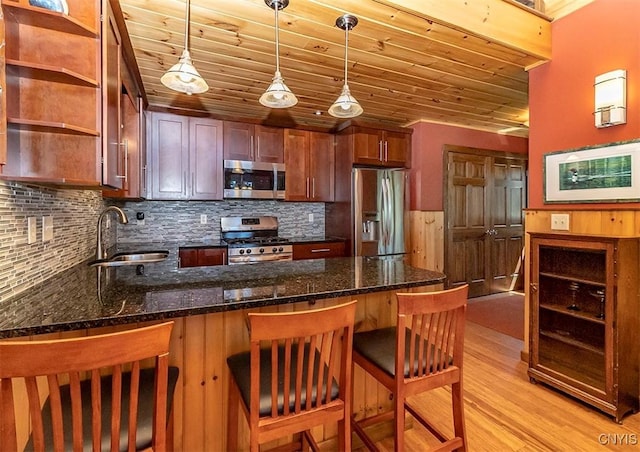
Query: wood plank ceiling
[(405, 65)]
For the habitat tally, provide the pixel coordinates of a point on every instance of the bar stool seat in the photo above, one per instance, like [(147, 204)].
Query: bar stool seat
[(297, 375), (422, 352)]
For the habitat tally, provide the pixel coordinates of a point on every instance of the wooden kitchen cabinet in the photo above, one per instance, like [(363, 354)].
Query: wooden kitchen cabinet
[(186, 157), (310, 161), (584, 318), (318, 250), (205, 256), (255, 143), (53, 95), (113, 152), (374, 146), (3, 98)]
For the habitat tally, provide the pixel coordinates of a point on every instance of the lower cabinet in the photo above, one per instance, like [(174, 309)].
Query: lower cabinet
[(319, 250), (200, 257), (584, 297)]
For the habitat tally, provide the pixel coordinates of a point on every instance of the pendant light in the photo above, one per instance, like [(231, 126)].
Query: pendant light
[(278, 95), (346, 106), (183, 76)]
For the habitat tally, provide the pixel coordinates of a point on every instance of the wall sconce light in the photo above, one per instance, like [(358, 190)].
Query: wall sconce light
[(611, 98)]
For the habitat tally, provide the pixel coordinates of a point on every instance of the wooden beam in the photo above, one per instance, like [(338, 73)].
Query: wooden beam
[(496, 21)]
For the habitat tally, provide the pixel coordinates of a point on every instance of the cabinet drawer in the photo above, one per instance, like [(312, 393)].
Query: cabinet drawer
[(199, 257), (318, 250)]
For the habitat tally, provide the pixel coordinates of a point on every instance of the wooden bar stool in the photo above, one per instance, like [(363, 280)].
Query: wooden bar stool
[(297, 375), (98, 396), (423, 352)]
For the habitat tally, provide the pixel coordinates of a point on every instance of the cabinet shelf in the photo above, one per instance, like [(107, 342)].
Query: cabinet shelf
[(589, 317), (573, 279), (566, 338), (47, 72), (50, 126), (44, 18)]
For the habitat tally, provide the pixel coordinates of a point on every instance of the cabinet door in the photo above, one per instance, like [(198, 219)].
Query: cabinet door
[(188, 257), (296, 154), (269, 142), (169, 155), (367, 146), (3, 98), (395, 147), (238, 141), (321, 166), (205, 159), (112, 155), (212, 256)]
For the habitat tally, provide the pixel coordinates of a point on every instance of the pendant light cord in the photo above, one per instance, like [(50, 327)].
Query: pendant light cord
[(346, 50), (277, 7), (186, 25)]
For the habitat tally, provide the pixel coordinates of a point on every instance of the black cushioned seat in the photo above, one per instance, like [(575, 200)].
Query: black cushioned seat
[(240, 366), (379, 347), (145, 411)]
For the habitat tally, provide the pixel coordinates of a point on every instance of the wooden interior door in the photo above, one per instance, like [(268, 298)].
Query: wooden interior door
[(485, 194)]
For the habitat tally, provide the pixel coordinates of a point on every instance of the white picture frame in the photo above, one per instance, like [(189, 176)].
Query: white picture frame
[(607, 173)]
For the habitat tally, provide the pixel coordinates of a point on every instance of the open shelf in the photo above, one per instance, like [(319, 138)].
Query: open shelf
[(582, 315), (50, 126), (48, 72), (590, 282), (566, 338), (44, 18)]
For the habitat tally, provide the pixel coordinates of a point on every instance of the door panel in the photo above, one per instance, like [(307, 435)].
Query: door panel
[(485, 197)]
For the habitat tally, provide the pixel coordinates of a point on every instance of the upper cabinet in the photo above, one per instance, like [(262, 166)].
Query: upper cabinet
[(252, 142), (310, 162), (3, 98), (53, 95), (113, 165), (373, 146), (186, 157)]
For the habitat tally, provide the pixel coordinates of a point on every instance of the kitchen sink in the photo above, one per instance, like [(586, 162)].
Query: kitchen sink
[(131, 258)]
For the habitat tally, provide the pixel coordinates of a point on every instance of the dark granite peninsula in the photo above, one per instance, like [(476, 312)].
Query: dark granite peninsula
[(90, 297), (208, 306)]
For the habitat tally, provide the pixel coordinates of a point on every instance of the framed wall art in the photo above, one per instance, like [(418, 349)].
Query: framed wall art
[(607, 173)]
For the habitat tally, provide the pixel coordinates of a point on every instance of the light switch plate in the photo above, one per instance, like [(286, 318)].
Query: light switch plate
[(31, 230), (47, 229), (203, 218), (560, 221)]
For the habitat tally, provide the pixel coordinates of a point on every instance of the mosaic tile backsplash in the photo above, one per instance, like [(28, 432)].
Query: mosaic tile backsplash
[(75, 214)]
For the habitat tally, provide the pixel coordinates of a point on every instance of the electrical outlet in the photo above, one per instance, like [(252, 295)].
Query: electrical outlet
[(560, 221), (47, 229), (310, 218), (31, 230), (203, 219)]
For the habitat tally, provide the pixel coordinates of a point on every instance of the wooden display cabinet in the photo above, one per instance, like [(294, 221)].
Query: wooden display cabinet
[(53, 93), (584, 318)]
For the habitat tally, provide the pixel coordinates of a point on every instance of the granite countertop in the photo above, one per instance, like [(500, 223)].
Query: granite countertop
[(89, 297)]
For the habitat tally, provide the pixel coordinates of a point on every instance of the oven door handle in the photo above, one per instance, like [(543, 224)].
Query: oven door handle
[(259, 259)]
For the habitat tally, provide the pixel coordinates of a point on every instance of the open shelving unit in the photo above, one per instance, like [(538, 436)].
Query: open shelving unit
[(584, 317)]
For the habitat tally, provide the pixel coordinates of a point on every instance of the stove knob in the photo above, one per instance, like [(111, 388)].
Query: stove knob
[(261, 250), (249, 251), (280, 249), (241, 251), (274, 249)]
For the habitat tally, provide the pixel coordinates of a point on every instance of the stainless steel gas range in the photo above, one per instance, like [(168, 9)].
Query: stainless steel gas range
[(254, 239)]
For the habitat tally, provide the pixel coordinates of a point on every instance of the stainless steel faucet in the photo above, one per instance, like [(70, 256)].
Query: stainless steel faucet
[(100, 254)]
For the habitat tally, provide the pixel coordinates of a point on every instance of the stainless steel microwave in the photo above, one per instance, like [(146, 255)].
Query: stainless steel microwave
[(253, 180)]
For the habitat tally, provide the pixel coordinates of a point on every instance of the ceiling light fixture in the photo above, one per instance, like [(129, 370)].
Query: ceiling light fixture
[(183, 76), (278, 95), (346, 106)]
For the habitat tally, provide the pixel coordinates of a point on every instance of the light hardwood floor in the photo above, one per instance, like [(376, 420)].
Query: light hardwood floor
[(505, 412)]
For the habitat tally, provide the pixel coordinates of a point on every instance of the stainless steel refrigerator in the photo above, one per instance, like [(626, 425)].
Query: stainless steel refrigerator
[(379, 201)]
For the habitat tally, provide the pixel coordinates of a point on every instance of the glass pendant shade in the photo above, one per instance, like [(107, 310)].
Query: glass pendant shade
[(345, 106), (278, 95), (183, 77)]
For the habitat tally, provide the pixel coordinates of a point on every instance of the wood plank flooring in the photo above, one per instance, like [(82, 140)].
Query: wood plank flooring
[(505, 412)]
